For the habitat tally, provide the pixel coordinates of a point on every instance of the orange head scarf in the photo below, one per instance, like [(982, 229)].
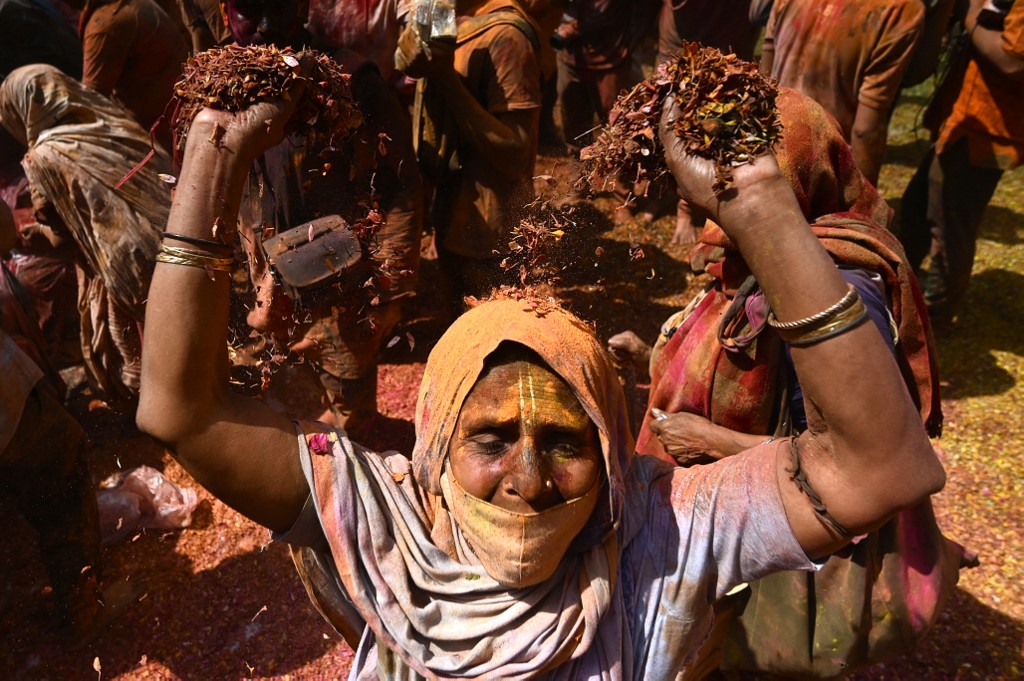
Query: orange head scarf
[(567, 345)]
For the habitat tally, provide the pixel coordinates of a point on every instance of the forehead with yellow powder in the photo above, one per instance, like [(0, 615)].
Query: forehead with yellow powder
[(523, 392)]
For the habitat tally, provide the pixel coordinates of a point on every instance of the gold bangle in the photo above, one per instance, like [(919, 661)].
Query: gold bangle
[(807, 322), (838, 324), (183, 256)]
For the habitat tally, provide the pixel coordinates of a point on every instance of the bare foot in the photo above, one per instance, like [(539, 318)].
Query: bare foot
[(685, 233)]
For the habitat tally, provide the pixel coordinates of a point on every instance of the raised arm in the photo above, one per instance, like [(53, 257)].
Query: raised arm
[(865, 452), (991, 46), (244, 452)]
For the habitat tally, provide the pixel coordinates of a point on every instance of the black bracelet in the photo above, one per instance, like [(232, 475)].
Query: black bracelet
[(195, 241)]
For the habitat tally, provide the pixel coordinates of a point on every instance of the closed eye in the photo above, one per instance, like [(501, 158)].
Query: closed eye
[(490, 441)]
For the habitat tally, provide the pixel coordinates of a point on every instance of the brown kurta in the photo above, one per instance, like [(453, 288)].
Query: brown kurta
[(133, 51)]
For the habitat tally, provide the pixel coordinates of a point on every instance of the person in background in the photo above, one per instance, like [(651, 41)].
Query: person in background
[(849, 56), (547, 14), (475, 129), (42, 463), (596, 45), (204, 21), (34, 32), (47, 275), (725, 26), (75, 145), (368, 27), (937, 17), (977, 139), (371, 175), (133, 54)]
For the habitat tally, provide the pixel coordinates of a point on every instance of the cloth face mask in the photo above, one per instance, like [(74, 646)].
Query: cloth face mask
[(517, 549)]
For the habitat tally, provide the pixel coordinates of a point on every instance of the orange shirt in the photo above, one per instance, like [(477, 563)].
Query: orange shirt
[(499, 67), (989, 111)]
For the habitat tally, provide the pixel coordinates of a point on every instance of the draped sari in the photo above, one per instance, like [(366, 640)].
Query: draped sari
[(79, 145), (387, 564)]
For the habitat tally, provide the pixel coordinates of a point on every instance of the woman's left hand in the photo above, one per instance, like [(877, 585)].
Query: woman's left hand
[(252, 131), (688, 438)]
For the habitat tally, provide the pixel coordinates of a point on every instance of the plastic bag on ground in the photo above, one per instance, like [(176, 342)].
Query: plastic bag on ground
[(144, 498)]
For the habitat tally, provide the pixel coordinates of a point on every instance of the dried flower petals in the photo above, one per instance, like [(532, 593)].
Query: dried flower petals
[(234, 78), (727, 114)]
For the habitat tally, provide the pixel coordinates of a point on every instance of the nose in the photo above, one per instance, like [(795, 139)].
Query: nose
[(528, 484)]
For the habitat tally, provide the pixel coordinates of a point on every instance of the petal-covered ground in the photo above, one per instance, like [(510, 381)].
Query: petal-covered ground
[(222, 602)]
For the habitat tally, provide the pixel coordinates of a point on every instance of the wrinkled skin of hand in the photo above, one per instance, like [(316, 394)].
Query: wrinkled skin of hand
[(690, 439), (251, 132), (628, 345), (695, 176)]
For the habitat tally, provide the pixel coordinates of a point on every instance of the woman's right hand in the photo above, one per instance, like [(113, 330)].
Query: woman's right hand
[(686, 437), (692, 439)]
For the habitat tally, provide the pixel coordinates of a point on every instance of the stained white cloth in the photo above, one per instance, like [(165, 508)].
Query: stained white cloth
[(386, 563)]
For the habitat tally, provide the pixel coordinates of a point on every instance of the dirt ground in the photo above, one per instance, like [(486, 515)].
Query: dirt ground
[(222, 602)]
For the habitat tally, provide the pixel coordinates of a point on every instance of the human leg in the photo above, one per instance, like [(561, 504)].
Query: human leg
[(959, 193), (577, 97), (915, 232), (44, 466)]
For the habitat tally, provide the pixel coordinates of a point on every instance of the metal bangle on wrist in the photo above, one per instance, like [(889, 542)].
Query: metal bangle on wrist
[(189, 258), (197, 241), (839, 318)]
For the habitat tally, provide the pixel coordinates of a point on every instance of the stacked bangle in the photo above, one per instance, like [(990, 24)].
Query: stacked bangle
[(196, 241), (846, 314), (189, 258)]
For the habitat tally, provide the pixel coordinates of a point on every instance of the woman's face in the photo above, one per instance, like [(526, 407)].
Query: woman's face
[(523, 442)]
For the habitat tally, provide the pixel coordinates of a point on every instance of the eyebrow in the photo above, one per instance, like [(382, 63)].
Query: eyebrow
[(487, 421)]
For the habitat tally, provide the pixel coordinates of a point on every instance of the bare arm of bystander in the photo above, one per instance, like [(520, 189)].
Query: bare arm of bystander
[(990, 45)]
